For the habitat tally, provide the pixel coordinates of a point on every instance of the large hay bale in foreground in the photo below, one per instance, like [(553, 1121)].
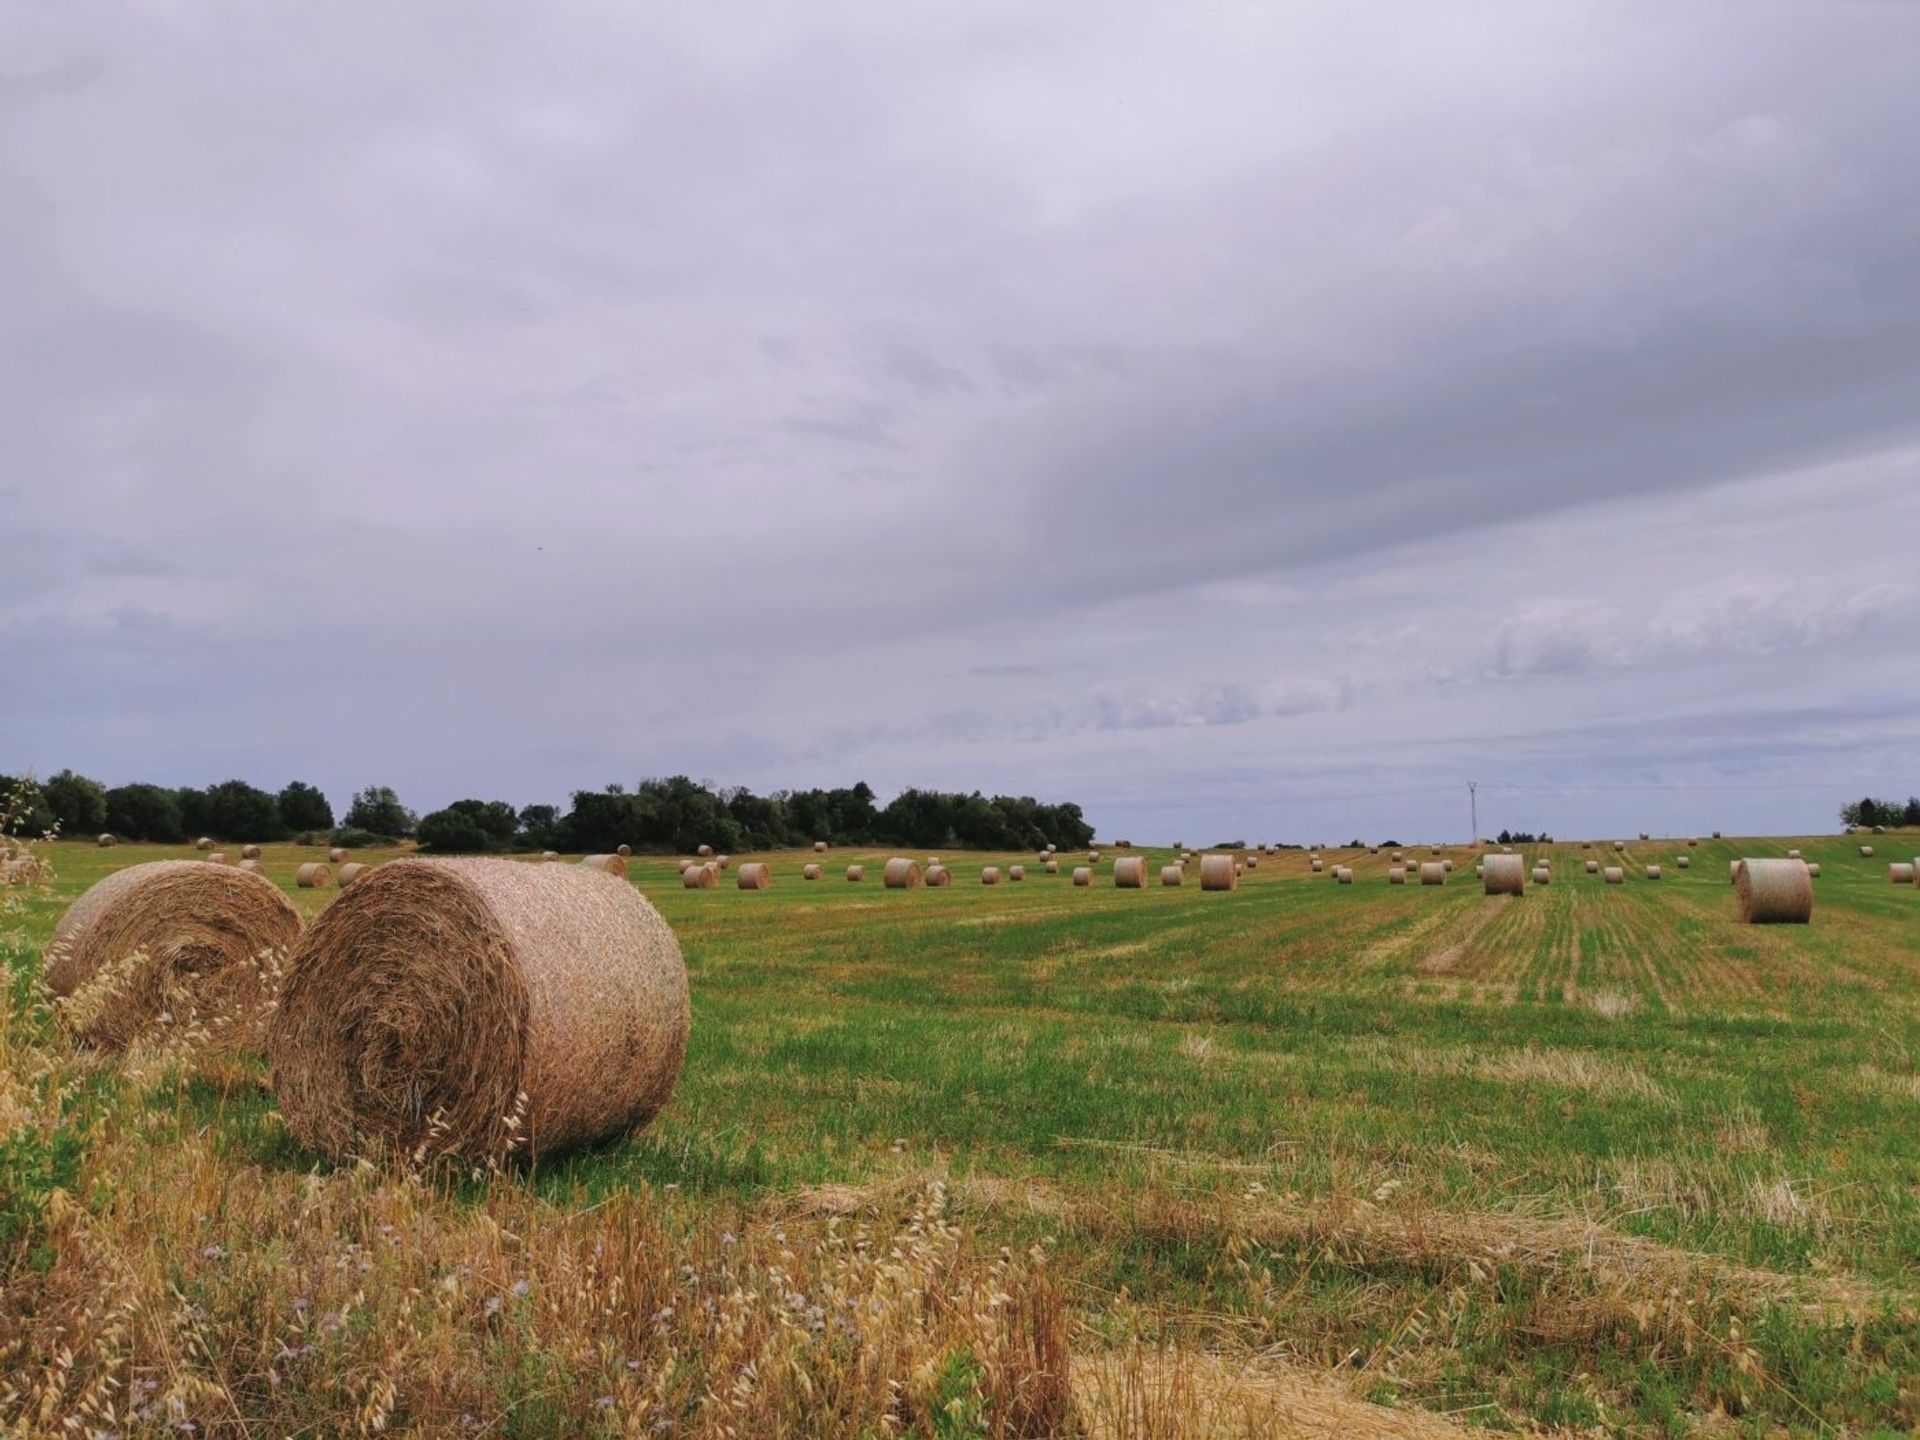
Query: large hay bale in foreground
[(1217, 873), (1130, 872), (312, 876), (1432, 873), (754, 875), (479, 1008), (174, 949), (1503, 874), (809, 872), (1083, 877), (1773, 892), (699, 877), (900, 873), (605, 864)]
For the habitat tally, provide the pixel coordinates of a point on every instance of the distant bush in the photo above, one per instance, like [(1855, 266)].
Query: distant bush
[(453, 831), (144, 812), (304, 808), (378, 809), (360, 839), (79, 804)]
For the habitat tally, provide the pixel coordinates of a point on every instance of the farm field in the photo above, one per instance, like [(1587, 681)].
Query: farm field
[(1036, 1159)]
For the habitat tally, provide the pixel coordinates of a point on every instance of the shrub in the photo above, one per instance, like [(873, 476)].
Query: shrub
[(79, 804), (305, 808), (378, 809), (454, 831), (144, 812)]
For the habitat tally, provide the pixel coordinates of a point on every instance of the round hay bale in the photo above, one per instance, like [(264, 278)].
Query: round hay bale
[(809, 872), (1615, 875), (705, 852), (1685, 862), (1793, 854), (1016, 872), (856, 873), (1093, 857), (606, 864), (253, 867), (549, 857), (1052, 867), (171, 948), (1052, 848), (1239, 868), (1619, 846), (1900, 872), (1171, 874), (699, 877), (1083, 876), (1432, 873), (990, 875), (250, 852), (725, 862), (1503, 874), (336, 856), (205, 842), (479, 1008), (312, 876), (819, 847), (1398, 857), (754, 875), (1773, 892), (937, 876), (1343, 875), (1447, 865), (625, 852), (1317, 866), (1693, 842), (686, 865), (1645, 836), (1716, 834), (900, 874), (1542, 875), (218, 857), (1253, 862), (1866, 852), (1653, 872), (1733, 871), (932, 860), (1396, 875), (350, 872), (1217, 872), (1130, 872), (1813, 869), (1593, 867), (106, 842)]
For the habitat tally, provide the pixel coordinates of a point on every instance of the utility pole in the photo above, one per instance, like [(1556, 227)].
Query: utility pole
[(1473, 799)]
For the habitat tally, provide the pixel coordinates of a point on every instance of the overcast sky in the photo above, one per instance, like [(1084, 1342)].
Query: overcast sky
[(1246, 420)]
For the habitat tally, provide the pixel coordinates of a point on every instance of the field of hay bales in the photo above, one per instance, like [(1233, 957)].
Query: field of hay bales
[(1043, 1159)]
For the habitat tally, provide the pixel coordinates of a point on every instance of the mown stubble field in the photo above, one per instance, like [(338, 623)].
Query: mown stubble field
[(1376, 1159)]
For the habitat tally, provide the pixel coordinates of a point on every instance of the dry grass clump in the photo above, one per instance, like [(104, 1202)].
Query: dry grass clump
[(350, 872), (809, 872), (171, 955), (1130, 872), (605, 864), (1171, 874), (1503, 874), (1432, 873), (754, 875), (479, 1008), (699, 877), (312, 876), (901, 873), (1083, 876), (990, 875), (1773, 892), (856, 873)]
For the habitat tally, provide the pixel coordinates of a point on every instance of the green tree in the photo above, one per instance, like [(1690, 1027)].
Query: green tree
[(239, 811), (79, 804), (454, 830), (144, 812), (24, 807), (305, 808), (379, 810)]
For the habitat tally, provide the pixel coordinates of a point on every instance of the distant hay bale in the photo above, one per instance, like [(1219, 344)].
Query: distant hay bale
[(1813, 870), (1433, 849), (1900, 872), (1716, 834), (856, 873), (1343, 874), (1619, 846), (1593, 867), (1586, 844), (253, 867), (901, 873), (1793, 855), (686, 865), (1645, 836), (705, 852), (1866, 852), (1432, 873), (1093, 857), (1773, 892), (106, 842), (1879, 829), (1083, 876), (819, 847), (809, 872), (350, 872), (218, 857), (1615, 875), (1130, 872), (938, 875), (1542, 875), (699, 877), (754, 875), (336, 856), (250, 852), (312, 876), (1373, 849), (1239, 868), (1653, 872), (1397, 857), (623, 851), (990, 875), (205, 842), (1685, 862), (1171, 874), (1179, 844), (479, 1008), (1052, 867), (1016, 872), (1317, 866), (1447, 865), (1253, 862), (606, 864), (171, 952), (1692, 842), (1217, 873), (723, 861), (1396, 875), (549, 857), (1503, 874)]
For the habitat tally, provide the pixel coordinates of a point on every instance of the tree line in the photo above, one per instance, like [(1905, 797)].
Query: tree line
[(1882, 812), (665, 816)]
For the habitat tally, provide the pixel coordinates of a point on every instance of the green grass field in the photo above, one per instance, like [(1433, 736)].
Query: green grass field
[(1597, 1158)]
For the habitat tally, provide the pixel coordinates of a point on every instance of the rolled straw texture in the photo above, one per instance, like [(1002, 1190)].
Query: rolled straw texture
[(605, 864), (754, 875), (990, 875), (1171, 874), (312, 876), (809, 872), (937, 876), (1217, 873), (1130, 872), (1083, 876), (336, 856), (1773, 892), (901, 873), (856, 873), (1503, 874), (1432, 873), (479, 1008), (350, 872), (203, 945), (699, 877)]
